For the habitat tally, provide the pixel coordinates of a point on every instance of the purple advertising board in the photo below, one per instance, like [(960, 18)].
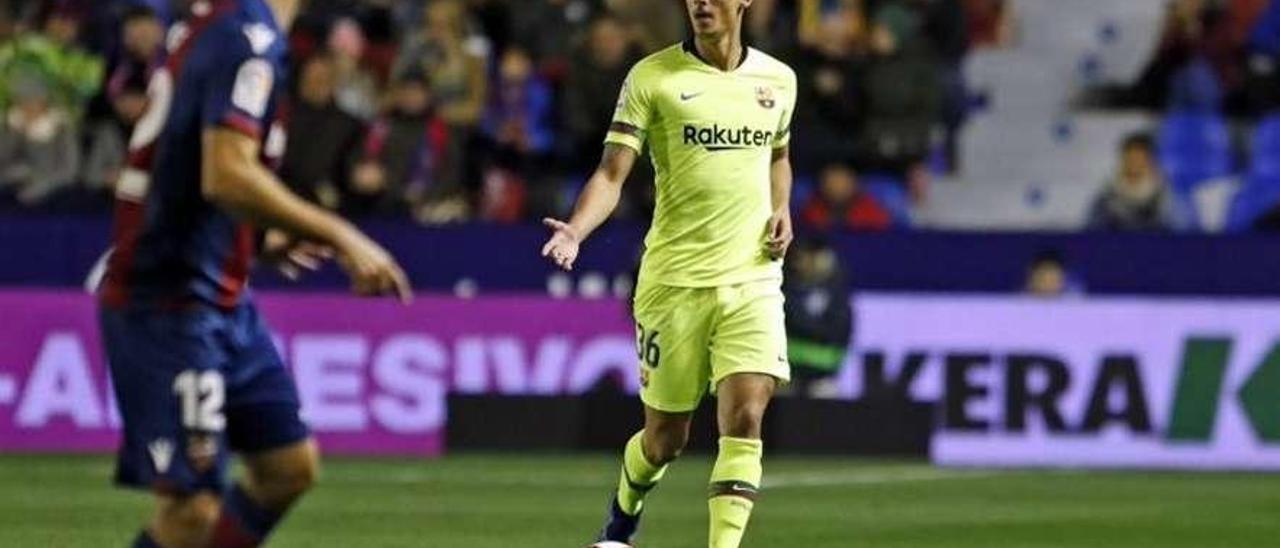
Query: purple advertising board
[(372, 375)]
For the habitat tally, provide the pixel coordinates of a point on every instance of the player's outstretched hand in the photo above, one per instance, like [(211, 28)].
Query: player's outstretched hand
[(780, 234), (372, 269), (293, 257), (562, 248)]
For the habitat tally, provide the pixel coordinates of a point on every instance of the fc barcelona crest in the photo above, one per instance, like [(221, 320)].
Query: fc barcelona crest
[(764, 96)]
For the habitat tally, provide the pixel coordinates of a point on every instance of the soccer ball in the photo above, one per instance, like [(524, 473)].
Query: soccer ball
[(609, 544)]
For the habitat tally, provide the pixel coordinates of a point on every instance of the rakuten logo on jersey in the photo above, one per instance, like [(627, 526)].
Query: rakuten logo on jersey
[(716, 138)]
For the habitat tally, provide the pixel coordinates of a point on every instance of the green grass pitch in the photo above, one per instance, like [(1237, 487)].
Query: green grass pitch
[(550, 501)]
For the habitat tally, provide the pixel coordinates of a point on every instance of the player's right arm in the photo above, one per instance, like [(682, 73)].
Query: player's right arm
[(600, 196), (235, 180), (598, 200), (237, 92)]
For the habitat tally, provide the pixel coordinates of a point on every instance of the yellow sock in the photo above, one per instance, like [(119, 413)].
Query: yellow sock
[(639, 476), (735, 483)]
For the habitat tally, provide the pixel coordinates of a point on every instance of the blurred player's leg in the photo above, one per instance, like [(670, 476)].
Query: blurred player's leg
[(263, 427), (735, 480), (648, 453), (673, 326), (180, 522), (275, 480), (644, 462), (169, 386)]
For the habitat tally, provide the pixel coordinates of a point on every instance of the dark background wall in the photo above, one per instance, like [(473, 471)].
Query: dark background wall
[(59, 252)]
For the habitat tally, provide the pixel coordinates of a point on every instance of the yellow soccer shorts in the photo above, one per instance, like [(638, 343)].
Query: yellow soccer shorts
[(689, 339)]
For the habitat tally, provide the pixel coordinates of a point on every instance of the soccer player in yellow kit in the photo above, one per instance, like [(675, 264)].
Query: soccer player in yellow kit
[(715, 115)]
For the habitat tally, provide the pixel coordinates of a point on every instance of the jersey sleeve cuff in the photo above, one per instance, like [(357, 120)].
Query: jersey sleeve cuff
[(241, 123), (629, 141)]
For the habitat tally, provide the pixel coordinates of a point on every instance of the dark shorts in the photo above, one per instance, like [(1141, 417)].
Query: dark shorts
[(192, 387)]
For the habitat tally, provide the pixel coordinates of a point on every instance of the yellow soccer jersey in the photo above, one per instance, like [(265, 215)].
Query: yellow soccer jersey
[(711, 136)]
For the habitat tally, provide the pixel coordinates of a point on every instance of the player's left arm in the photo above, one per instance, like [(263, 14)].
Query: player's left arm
[(780, 230)]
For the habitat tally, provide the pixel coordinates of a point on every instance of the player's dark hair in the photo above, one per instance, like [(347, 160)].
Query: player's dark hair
[(1048, 256), (414, 76), (601, 17), (1141, 140), (137, 12)]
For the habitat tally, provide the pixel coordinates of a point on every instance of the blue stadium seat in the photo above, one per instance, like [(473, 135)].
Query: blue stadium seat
[(1194, 146), (802, 188), (891, 192), (1261, 190), (1258, 195), (1264, 160)]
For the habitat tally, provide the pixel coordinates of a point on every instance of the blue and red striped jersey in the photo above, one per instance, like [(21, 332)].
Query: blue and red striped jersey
[(224, 67)]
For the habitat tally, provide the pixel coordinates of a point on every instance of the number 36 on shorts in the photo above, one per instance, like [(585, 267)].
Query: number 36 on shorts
[(647, 346)]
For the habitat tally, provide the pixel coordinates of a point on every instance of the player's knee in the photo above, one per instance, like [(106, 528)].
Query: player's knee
[(666, 446), (743, 421), (291, 482), (282, 484), (191, 517)]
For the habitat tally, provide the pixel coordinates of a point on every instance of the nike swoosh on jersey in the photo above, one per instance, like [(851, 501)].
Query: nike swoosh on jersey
[(690, 96)]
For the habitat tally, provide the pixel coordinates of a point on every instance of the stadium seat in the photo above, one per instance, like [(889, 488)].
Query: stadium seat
[(1264, 155), (1261, 190), (1258, 195), (1194, 146), (1211, 202), (802, 188), (891, 192)]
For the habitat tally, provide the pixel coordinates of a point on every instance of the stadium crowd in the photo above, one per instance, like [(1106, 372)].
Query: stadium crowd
[(451, 110), (493, 110)]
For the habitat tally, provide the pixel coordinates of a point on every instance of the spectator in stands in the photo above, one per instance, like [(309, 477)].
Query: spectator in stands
[(356, 91), (141, 41), (1214, 30), (819, 317), (550, 29), (829, 76), (902, 93), (591, 90), (518, 128), (655, 23), (121, 104), (491, 21), (72, 74), (445, 50), (39, 145), (945, 27), (321, 136), (809, 16), (990, 23), (1137, 198), (142, 37), (839, 203), (457, 64), (773, 25), (109, 139), (1047, 276), (398, 167)]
